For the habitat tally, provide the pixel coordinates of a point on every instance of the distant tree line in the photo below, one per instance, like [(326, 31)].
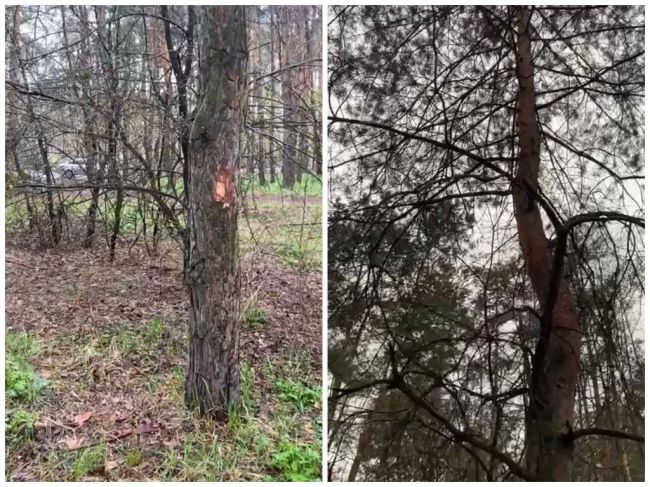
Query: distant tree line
[(113, 89)]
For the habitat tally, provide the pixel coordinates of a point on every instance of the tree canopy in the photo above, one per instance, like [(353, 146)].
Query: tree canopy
[(486, 175)]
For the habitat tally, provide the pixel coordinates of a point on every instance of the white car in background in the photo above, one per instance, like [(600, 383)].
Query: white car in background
[(71, 170)]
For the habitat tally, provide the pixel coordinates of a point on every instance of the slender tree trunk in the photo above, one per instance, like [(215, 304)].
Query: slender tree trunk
[(93, 207), (304, 87), (258, 150), (315, 105), (212, 382), (113, 42), (53, 216), (12, 130), (254, 63), (91, 145), (362, 444), (549, 450), (288, 103), (274, 43), (260, 161), (182, 72)]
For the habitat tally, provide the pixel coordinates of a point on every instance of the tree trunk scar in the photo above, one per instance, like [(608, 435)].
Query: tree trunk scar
[(223, 188)]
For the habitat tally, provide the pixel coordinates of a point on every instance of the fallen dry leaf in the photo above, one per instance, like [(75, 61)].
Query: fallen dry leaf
[(81, 418), (111, 465), (73, 443)]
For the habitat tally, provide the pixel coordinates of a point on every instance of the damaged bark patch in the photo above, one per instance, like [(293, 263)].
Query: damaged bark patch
[(223, 188)]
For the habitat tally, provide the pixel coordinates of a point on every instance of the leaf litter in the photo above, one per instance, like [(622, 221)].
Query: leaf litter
[(72, 301)]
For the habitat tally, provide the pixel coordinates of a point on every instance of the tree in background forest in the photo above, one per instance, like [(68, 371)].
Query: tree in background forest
[(124, 116), (115, 88), (486, 243)]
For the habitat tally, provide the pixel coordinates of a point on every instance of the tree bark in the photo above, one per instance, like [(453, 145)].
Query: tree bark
[(257, 156), (212, 382), (549, 446), (182, 74), (315, 50), (289, 83)]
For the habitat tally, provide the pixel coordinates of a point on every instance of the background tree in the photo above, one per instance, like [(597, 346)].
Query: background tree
[(515, 135), (128, 76)]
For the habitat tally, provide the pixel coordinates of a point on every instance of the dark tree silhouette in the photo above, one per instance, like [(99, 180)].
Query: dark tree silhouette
[(481, 157)]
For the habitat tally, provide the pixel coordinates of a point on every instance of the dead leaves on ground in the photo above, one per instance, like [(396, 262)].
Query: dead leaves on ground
[(73, 443), (76, 442), (81, 418), (115, 412)]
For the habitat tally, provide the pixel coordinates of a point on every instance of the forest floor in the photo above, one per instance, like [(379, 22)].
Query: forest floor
[(103, 347)]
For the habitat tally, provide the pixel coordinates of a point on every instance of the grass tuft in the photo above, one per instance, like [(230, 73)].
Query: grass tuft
[(89, 461), (134, 457), (19, 427), (253, 316)]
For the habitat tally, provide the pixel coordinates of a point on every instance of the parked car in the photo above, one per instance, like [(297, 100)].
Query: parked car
[(71, 169)]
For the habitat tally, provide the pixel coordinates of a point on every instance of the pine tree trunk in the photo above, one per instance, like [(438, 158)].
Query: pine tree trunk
[(555, 366), (288, 102), (316, 113), (260, 160), (212, 382)]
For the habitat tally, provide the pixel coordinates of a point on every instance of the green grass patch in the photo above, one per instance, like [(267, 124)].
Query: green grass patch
[(297, 462), (273, 433), (21, 381), (89, 461), (301, 254), (154, 331), (308, 186), (134, 457), (291, 232), (15, 214), (297, 365), (20, 344), (298, 395), (19, 426), (122, 342), (200, 459)]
